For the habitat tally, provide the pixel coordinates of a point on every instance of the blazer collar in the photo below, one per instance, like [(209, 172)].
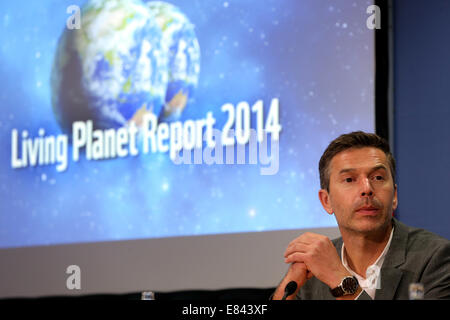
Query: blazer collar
[(396, 256)]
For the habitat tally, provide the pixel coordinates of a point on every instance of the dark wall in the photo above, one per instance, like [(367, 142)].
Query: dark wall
[(422, 112)]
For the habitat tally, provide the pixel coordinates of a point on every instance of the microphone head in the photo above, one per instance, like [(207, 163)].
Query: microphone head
[(290, 288)]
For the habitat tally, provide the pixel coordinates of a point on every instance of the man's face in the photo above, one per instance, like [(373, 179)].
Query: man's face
[(361, 193)]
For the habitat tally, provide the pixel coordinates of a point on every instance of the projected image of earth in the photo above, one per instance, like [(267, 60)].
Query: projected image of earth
[(301, 70), (128, 58)]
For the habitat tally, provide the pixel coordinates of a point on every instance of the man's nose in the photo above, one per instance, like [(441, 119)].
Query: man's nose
[(366, 190)]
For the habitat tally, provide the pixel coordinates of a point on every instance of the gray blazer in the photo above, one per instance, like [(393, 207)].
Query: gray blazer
[(415, 255)]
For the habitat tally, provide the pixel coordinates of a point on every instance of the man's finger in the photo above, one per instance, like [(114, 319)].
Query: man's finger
[(306, 238), (295, 247), (295, 257)]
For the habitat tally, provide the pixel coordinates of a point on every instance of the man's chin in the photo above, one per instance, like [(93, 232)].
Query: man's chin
[(369, 224)]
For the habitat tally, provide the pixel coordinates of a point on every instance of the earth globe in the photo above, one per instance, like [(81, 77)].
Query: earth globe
[(111, 69), (127, 59)]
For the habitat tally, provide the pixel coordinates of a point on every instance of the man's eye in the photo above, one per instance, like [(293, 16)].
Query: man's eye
[(348, 179), (379, 178)]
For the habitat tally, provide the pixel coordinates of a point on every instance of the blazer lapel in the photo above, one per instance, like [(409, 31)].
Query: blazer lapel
[(396, 255), (390, 279)]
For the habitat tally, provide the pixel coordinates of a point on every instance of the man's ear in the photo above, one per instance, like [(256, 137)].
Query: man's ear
[(324, 198), (395, 201)]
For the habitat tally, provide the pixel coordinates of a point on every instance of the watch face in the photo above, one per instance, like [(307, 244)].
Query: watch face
[(350, 285)]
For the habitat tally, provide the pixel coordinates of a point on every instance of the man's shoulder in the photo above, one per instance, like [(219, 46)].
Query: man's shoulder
[(422, 240), (423, 257)]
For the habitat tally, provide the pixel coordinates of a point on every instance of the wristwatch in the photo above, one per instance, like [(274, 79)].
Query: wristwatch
[(349, 285)]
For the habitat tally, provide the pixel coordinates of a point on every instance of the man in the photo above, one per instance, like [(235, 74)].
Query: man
[(377, 256)]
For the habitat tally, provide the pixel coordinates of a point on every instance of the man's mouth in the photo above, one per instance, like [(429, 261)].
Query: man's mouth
[(368, 210)]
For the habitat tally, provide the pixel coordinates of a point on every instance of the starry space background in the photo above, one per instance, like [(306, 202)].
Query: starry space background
[(316, 57)]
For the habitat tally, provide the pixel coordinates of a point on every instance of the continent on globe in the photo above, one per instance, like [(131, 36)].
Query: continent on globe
[(178, 36), (175, 106)]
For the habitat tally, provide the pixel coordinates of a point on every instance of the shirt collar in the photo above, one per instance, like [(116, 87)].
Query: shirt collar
[(378, 263)]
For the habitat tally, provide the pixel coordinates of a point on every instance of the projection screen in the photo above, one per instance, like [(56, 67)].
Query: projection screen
[(170, 145)]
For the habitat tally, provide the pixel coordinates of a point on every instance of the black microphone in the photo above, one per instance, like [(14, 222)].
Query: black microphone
[(289, 289)]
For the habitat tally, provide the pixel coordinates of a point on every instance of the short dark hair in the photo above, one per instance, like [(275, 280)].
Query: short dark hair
[(357, 139)]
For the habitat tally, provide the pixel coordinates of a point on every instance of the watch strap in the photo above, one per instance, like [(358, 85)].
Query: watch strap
[(338, 291)]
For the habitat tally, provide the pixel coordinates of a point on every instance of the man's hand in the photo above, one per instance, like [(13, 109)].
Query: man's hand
[(319, 256), (297, 272)]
